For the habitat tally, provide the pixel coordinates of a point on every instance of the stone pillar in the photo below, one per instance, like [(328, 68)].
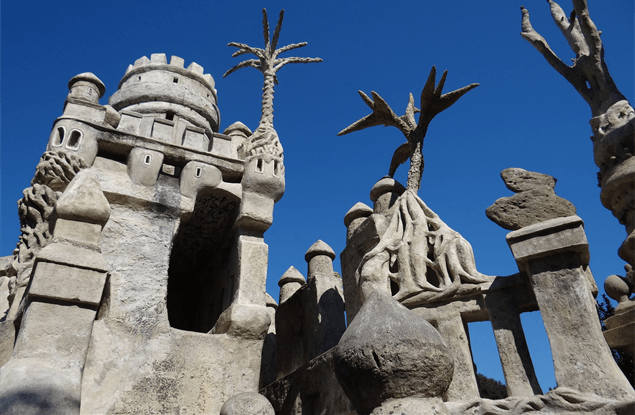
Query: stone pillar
[(520, 377), (384, 194), (45, 369), (324, 322), (454, 332), (554, 254)]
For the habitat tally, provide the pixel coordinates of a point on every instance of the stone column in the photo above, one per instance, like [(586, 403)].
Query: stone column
[(554, 254), (520, 377), (324, 319), (45, 370), (454, 332)]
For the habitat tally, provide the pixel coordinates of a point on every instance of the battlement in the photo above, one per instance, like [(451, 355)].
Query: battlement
[(158, 61), (155, 87)]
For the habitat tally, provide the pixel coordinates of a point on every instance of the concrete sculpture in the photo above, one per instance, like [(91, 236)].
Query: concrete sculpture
[(138, 283)]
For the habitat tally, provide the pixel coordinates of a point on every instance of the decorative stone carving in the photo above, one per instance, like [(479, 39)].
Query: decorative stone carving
[(432, 103), (419, 253), (265, 139)]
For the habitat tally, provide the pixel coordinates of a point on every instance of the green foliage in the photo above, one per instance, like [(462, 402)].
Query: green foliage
[(490, 388), (624, 360)]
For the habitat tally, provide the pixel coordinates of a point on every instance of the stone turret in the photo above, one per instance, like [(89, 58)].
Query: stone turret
[(169, 91)]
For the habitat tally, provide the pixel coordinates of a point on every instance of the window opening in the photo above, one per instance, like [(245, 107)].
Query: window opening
[(74, 139), (198, 171), (59, 136), (147, 159), (275, 168), (169, 115), (259, 166), (175, 80)]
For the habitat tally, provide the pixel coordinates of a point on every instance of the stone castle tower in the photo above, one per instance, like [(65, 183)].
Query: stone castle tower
[(158, 257)]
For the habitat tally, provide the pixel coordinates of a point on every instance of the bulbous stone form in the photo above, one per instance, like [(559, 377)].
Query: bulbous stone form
[(388, 352), (247, 403)]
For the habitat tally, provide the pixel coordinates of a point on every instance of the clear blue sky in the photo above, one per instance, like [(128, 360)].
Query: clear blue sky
[(523, 114)]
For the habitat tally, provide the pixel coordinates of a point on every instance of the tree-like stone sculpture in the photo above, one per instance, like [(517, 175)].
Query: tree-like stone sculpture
[(432, 103), (418, 252), (265, 139), (426, 258), (613, 118)]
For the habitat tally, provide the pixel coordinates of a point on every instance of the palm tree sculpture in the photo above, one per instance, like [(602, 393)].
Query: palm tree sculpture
[(432, 103), (265, 139)]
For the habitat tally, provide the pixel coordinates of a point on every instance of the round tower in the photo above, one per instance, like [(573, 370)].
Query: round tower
[(170, 91)]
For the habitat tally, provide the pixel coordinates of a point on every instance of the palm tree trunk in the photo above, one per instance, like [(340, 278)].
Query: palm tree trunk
[(267, 97)]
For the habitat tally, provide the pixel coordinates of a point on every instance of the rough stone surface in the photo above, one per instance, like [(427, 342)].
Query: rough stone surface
[(520, 180), (247, 403), (535, 200), (412, 406), (389, 352)]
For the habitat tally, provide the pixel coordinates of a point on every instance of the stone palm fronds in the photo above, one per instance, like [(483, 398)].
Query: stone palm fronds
[(432, 103), (268, 63)]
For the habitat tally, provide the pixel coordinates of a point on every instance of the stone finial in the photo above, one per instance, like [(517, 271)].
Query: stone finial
[(358, 211), (319, 248), (290, 282), (620, 290), (247, 403), (86, 87), (83, 200), (385, 193), (320, 258), (390, 353), (535, 200), (238, 129)]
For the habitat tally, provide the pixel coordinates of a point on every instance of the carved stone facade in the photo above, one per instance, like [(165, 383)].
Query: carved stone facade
[(138, 284)]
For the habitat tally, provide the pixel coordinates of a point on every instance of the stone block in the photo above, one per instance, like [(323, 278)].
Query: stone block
[(163, 130), (195, 138), (130, 122), (72, 284), (549, 237)]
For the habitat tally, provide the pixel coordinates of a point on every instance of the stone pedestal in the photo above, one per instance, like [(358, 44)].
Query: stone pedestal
[(554, 255)]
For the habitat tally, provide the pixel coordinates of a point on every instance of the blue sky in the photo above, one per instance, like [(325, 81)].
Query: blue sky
[(523, 114)]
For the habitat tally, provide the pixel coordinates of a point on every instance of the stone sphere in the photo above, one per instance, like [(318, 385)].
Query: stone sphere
[(389, 352), (247, 403)]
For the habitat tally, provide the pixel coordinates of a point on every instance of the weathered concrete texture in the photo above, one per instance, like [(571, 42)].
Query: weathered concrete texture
[(247, 403), (412, 406), (520, 377), (312, 389), (389, 352), (312, 320), (554, 254), (535, 200), (557, 401), (179, 371)]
